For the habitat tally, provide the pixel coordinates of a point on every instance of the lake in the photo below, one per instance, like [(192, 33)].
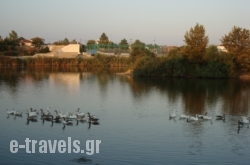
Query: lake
[(134, 118)]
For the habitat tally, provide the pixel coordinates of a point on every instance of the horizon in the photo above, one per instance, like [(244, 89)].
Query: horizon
[(160, 22)]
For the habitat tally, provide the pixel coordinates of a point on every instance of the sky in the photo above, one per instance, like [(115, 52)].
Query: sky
[(163, 22)]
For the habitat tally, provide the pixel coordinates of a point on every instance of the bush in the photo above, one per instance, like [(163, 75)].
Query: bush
[(179, 66), (44, 50)]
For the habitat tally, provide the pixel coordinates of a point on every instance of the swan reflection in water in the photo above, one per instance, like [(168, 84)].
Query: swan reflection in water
[(243, 121), (82, 160)]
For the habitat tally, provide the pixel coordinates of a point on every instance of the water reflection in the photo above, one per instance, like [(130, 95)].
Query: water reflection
[(196, 94), (134, 117), (70, 80), (83, 160)]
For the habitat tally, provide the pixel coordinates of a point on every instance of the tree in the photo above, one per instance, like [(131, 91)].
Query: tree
[(196, 43), (212, 53), (91, 42), (37, 42), (65, 41), (139, 49), (82, 48), (73, 41), (103, 40), (237, 41), (12, 40), (13, 36), (123, 44), (62, 42), (138, 45)]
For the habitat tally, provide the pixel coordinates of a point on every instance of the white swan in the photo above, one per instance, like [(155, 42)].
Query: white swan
[(172, 115), (47, 113), (183, 117), (71, 116), (12, 112), (15, 113), (67, 122), (243, 121), (32, 116), (193, 118), (80, 115), (92, 118), (206, 117), (60, 114)]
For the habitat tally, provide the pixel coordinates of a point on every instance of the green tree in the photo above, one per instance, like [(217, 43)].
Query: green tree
[(139, 49), (196, 43), (13, 36), (138, 45), (103, 40), (62, 42), (12, 40), (212, 53), (37, 42), (73, 41), (237, 41), (124, 44), (82, 48), (65, 41)]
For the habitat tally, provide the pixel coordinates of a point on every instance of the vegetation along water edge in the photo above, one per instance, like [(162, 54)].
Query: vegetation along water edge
[(194, 59)]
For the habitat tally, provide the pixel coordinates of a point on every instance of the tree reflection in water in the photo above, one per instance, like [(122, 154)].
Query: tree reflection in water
[(196, 94)]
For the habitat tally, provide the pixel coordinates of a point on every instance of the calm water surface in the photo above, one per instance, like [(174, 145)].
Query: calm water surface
[(134, 118)]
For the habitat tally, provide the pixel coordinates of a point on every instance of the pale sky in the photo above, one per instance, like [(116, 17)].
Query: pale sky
[(164, 22)]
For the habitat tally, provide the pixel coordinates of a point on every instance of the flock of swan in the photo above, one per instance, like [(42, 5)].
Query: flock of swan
[(68, 119), (197, 117), (56, 116), (243, 120)]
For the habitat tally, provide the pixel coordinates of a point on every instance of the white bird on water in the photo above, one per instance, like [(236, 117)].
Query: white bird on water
[(67, 122), (172, 115), (193, 118), (32, 116), (182, 117)]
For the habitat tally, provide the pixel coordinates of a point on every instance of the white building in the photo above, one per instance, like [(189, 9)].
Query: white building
[(222, 48), (71, 48), (68, 51)]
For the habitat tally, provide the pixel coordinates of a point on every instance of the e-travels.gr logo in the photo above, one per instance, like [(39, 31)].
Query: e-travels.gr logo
[(53, 146)]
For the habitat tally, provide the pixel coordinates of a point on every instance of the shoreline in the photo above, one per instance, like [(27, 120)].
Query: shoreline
[(245, 77)]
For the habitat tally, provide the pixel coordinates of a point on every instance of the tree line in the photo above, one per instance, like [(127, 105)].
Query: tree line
[(14, 45), (197, 59), (194, 59)]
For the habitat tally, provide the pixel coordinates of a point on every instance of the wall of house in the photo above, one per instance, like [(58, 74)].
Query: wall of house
[(71, 48)]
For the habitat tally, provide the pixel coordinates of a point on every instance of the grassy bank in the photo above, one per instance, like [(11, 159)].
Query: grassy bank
[(145, 66), (179, 66), (97, 63)]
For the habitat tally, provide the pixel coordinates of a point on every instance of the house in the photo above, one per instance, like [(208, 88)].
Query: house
[(71, 48), (222, 48), (68, 51), (62, 51), (26, 42)]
